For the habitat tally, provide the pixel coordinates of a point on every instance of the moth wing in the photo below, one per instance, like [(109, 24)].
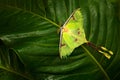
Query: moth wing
[(64, 48), (72, 34)]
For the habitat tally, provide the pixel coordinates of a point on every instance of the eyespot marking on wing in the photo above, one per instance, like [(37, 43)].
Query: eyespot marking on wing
[(76, 40), (73, 17), (78, 31), (61, 45)]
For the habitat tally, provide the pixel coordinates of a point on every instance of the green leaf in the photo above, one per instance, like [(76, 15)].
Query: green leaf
[(10, 65), (30, 28)]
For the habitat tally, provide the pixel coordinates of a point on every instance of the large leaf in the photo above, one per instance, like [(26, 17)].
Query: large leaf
[(10, 65), (31, 27)]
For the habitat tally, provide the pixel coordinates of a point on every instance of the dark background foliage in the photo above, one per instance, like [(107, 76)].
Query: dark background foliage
[(29, 40)]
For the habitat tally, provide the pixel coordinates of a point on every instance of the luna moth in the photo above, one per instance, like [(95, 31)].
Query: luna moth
[(72, 35)]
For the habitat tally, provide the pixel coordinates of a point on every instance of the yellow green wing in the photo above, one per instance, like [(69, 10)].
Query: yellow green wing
[(72, 34)]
